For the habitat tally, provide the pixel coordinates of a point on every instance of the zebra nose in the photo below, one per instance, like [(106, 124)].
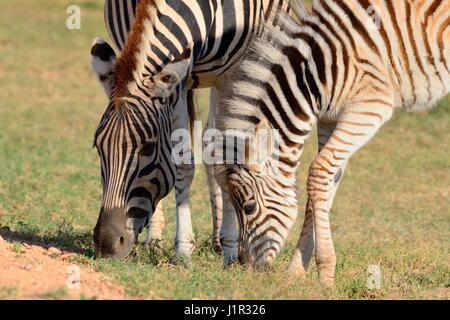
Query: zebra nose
[(111, 239)]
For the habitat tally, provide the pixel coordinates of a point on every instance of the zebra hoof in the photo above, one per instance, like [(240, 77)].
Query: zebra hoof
[(296, 271), (183, 261), (327, 281), (217, 247), (229, 261), (155, 245)]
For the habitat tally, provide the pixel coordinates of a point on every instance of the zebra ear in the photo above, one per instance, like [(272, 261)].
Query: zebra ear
[(103, 61), (171, 75), (259, 146)]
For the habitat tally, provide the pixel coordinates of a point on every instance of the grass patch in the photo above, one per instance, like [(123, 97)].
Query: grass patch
[(57, 294)]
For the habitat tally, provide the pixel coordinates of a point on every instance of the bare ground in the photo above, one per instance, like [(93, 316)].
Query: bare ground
[(32, 271)]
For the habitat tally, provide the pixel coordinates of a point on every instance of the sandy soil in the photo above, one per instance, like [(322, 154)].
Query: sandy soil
[(31, 271)]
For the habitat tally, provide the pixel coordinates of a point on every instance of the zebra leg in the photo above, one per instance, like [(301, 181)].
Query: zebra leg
[(215, 193), (184, 239), (155, 227), (224, 215), (229, 232), (217, 209), (305, 245), (355, 127)]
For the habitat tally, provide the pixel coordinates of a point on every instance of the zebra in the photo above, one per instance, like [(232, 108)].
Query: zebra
[(345, 66), (173, 47), (119, 16)]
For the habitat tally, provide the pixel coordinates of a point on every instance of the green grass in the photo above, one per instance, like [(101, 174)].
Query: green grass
[(392, 209), (57, 294)]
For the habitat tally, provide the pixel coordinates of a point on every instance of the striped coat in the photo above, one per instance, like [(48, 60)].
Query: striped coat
[(346, 66), (173, 46)]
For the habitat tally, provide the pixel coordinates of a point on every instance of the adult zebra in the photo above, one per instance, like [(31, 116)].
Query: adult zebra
[(173, 46), (347, 66)]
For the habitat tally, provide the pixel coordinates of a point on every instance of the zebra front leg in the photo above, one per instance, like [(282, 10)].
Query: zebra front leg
[(305, 246), (217, 209), (184, 239), (356, 126), (306, 243), (155, 227), (215, 193), (229, 232)]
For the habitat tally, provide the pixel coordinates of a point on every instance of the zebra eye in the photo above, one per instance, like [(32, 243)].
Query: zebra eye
[(250, 207), (148, 149)]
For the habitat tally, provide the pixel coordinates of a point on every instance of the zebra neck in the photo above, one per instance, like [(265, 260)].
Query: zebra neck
[(160, 33)]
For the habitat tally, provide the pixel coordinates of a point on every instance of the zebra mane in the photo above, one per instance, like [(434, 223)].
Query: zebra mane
[(127, 66), (265, 50)]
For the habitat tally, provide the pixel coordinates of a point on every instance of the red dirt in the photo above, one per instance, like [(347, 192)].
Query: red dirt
[(30, 271)]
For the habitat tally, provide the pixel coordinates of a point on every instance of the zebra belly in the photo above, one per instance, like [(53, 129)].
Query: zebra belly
[(427, 93)]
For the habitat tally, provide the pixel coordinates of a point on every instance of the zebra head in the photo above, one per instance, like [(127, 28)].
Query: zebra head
[(133, 140), (264, 197)]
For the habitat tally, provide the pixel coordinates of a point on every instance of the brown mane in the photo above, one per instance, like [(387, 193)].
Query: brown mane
[(126, 64)]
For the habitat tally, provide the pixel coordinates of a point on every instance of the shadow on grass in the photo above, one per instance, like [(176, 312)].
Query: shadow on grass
[(65, 239)]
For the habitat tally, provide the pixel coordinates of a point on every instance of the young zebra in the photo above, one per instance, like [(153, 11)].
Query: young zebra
[(119, 17), (347, 66), (173, 46)]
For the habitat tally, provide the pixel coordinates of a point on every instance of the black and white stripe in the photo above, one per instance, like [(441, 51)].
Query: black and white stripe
[(143, 104), (221, 31), (345, 69)]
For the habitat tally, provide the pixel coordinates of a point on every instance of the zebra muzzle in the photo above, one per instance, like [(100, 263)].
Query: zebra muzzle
[(111, 237)]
